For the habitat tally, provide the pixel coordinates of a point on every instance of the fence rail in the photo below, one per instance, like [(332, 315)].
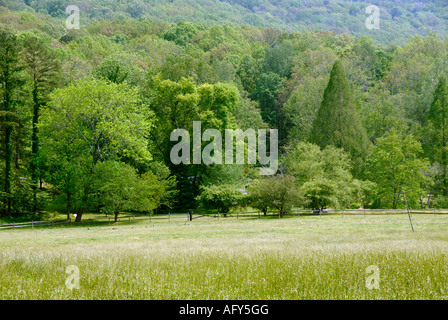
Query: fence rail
[(337, 212), (190, 216), (33, 224)]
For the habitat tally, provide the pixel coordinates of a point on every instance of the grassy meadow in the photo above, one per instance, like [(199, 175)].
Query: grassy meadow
[(310, 257)]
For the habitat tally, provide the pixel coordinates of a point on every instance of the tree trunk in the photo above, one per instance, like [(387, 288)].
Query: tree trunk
[(8, 158), (69, 200), (116, 217), (280, 213), (79, 215), (35, 148)]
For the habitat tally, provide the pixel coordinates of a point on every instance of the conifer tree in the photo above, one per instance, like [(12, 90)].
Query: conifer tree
[(337, 122), (42, 66), (436, 128), (9, 83)]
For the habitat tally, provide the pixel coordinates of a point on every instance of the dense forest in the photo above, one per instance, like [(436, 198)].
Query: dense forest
[(400, 19), (86, 115)]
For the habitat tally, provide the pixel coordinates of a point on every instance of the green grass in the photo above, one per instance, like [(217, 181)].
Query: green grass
[(292, 258)]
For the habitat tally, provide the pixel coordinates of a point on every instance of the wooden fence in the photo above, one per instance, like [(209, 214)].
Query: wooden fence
[(342, 212), (52, 223), (190, 216)]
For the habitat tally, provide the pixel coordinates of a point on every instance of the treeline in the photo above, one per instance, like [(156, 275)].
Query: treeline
[(399, 19), (86, 117)]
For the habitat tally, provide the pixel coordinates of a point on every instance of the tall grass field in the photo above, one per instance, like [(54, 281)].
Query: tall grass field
[(313, 257)]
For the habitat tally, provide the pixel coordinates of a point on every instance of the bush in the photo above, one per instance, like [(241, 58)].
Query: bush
[(220, 197)]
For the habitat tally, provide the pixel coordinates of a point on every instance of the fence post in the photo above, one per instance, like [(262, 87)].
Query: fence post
[(434, 212), (298, 213), (32, 224), (13, 226)]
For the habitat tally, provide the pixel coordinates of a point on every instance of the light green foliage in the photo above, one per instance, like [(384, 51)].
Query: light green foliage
[(248, 116), (302, 106), (220, 101), (152, 50), (275, 192), (119, 189), (105, 118), (218, 37), (258, 195), (96, 121), (118, 69), (222, 197), (178, 104), (184, 65), (395, 166), (95, 47), (412, 63), (379, 114), (324, 175)]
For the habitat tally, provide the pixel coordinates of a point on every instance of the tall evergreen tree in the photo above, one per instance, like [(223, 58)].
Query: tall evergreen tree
[(42, 66), (436, 128), (337, 122), (9, 83)]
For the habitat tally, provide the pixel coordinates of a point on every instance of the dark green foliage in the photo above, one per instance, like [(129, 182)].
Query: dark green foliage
[(182, 32), (127, 82), (10, 81), (337, 122), (436, 133), (43, 67), (266, 91)]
